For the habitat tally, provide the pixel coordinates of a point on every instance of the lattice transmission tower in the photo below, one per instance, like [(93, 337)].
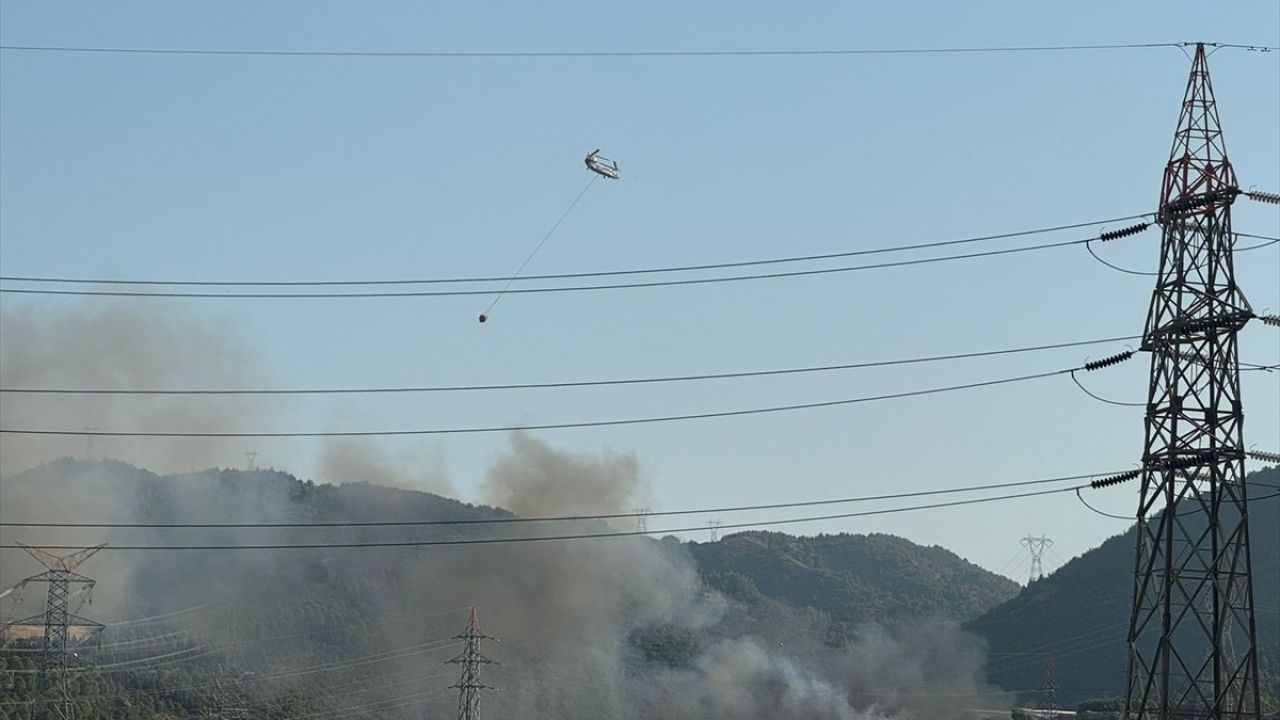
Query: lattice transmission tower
[(469, 685), (1049, 689), (1192, 645), (642, 518), (713, 529), (1036, 547), (55, 661)]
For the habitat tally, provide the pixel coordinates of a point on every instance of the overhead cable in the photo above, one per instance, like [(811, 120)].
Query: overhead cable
[(561, 518), (545, 426), (568, 275), (571, 536), (569, 54), (548, 289), (556, 384)]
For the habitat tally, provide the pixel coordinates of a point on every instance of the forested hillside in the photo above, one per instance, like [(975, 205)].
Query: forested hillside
[(756, 625), (295, 634), (853, 578), (1080, 613)]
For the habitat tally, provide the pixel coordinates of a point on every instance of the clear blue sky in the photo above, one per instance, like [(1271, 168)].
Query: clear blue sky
[(267, 168)]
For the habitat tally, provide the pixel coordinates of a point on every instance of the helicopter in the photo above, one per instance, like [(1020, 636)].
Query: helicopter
[(602, 166)]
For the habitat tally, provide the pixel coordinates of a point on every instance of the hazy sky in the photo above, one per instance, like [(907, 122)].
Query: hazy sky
[(331, 168)]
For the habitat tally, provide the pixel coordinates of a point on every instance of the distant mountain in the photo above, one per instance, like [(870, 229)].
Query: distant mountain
[(788, 619), (852, 578), (1080, 613)]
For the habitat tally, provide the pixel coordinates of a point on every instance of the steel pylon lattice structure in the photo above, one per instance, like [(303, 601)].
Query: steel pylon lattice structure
[(471, 660), (1049, 688), (1191, 640), (53, 665), (1036, 547)]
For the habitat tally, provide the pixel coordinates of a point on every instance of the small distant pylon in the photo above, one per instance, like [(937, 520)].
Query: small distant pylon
[(1049, 689), (642, 518), (713, 529), (228, 705), (89, 448), (1036, 546), (53, 668), (251, 460), (469, 685)]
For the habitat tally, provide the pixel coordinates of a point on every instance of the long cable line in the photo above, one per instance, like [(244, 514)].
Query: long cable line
[(382, 705), (399, 700), (529, 258), (568, 275), (568, 54), (569, 536), (546, 426), (571, 518), (257, 639), (330, 666), (553, 288), (373, 390), (559, 384)]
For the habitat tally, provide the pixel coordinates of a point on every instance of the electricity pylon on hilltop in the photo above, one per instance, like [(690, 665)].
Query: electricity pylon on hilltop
[(469, 685), (1036, 546), (1192, 643), (53, 668)]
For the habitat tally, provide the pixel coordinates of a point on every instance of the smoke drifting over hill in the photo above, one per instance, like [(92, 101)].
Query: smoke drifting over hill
[(614, 628), (120, 345), (621, 628)]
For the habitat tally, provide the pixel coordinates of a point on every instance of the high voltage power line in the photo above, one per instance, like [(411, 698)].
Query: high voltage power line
[(561, 425), (569, 518), (554, 288), (548, 289), (559, 384), (51, 280), (402, 389), (573, 536), (517, 54), (567, 276)]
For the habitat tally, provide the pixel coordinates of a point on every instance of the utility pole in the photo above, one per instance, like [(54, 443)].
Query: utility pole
[(57, 620), (1192, 644), (469, 685), (1036, 546), (1049, 689)]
